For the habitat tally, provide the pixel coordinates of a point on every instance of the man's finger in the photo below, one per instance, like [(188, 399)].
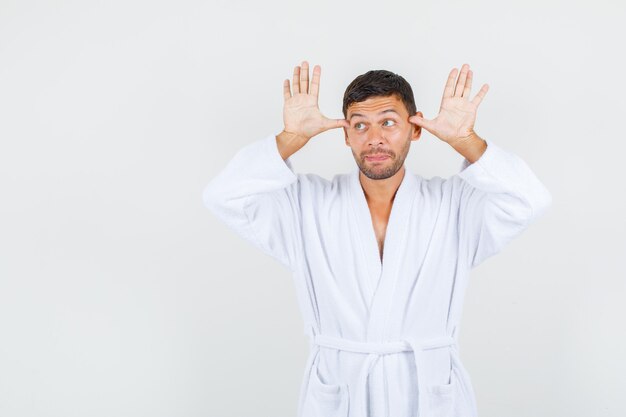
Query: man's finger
[(448, 91), (286, 89), (480, 95), (315, 82), (296, 79), (468, 84), (304, 78), (460, 84)]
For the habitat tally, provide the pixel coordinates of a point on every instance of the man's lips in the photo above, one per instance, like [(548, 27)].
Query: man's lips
[(377, 157)]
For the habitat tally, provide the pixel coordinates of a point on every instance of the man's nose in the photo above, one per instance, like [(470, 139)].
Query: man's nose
[(375, 135)]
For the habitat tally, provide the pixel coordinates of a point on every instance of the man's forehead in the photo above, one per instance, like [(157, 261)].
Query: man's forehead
[(375, 106)]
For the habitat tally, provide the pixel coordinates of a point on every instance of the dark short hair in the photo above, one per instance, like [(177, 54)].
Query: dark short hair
[(379, 83)]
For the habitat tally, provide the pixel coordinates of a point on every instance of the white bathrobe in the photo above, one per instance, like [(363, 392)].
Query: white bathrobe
[(383, 335)]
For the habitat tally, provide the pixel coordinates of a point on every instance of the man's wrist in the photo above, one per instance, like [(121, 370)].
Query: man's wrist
[(471, 147), (289, 143), (294, 136)]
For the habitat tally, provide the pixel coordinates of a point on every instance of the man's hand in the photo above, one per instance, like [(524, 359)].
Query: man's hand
[(301, 114), (455, 122)]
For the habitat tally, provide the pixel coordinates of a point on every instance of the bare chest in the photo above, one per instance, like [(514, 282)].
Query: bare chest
[(379, 222)]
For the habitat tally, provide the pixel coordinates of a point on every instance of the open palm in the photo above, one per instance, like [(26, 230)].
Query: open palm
[(301, 114), (457, 114)]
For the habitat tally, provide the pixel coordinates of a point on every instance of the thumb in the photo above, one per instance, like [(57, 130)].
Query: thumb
[(421, 122), (335, 123)]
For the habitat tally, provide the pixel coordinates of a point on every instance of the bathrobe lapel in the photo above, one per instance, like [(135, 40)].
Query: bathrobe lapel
[(383, 276)]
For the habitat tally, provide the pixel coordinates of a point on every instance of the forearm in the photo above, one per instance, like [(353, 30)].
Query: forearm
[(256, 195), (471, 147), (255, 169), (508, 182), (289, 143), (500, 197)]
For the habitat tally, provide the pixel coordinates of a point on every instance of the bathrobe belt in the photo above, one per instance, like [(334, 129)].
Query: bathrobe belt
[(374, 351)]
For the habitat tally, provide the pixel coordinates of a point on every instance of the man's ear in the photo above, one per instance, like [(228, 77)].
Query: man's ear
[(416, 131), (345, 134)]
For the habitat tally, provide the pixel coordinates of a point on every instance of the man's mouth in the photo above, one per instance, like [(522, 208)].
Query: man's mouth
[(377, 157)]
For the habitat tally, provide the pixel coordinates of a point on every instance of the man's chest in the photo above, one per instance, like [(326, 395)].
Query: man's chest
[(380, 220)]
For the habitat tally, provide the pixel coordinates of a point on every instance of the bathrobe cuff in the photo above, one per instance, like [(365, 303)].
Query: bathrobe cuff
[(499, 197), (275, 156), (256, 168), (256, 194), (500, 171), (276, 167)]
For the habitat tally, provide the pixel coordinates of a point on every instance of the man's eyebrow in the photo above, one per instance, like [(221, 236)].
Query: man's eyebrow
[(382, 112)]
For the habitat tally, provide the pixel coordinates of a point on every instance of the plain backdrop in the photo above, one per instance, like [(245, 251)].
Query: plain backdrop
[(122, 295)]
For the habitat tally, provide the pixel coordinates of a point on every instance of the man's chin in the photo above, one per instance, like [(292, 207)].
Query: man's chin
[(378, 171)]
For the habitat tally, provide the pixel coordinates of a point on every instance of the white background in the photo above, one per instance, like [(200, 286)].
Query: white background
[(121, 295)]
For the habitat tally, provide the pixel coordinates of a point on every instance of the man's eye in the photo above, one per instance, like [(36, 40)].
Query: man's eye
[(389, 120), (356, 126)]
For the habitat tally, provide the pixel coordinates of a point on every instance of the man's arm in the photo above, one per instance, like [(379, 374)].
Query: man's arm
[(498, 194), (257, 193), (499, 197)]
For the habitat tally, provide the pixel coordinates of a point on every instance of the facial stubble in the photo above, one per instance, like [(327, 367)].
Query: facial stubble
[(376, 173)]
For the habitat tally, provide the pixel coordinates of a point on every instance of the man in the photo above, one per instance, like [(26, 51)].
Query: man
[(380, 256)]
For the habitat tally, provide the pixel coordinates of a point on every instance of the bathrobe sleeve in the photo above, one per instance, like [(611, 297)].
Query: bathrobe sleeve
[(500, 197), (256, 195)]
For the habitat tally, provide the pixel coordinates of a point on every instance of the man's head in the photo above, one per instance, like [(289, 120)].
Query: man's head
[(377, 105)]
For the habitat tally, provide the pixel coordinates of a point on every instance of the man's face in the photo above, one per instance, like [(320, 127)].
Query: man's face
[(379, 127)]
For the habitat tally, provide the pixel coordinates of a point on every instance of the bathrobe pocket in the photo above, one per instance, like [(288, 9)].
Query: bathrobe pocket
[(324, 399), (443, 397)]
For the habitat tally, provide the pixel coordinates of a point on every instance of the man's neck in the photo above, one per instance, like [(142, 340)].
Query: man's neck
[(381, 192)]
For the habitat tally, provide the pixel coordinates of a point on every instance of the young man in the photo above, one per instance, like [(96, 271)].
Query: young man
[(380, 256)]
